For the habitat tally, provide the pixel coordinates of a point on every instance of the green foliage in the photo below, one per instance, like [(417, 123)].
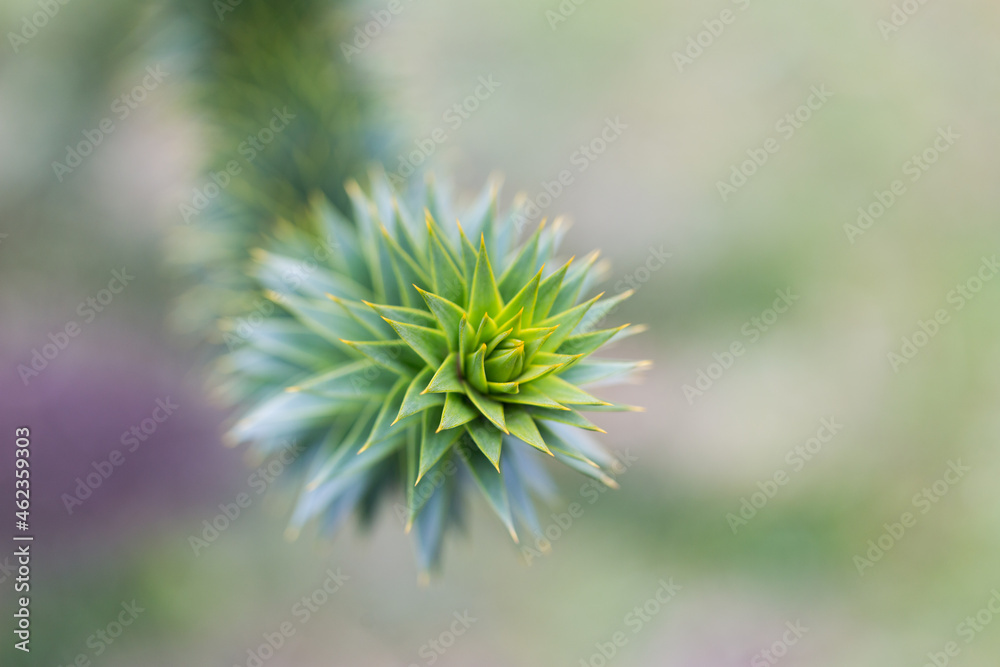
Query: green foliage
[(407, 354), (250, 62)]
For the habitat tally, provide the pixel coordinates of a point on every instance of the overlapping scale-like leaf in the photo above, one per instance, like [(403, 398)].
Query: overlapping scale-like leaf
[(403, 354)]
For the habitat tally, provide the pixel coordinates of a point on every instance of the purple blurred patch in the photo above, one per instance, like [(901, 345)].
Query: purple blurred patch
[(83, 407)]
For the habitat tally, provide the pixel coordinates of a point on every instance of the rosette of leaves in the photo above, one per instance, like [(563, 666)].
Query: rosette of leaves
[(405, 353)]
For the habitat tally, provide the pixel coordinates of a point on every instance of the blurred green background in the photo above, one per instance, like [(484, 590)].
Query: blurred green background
[(563, 71)]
